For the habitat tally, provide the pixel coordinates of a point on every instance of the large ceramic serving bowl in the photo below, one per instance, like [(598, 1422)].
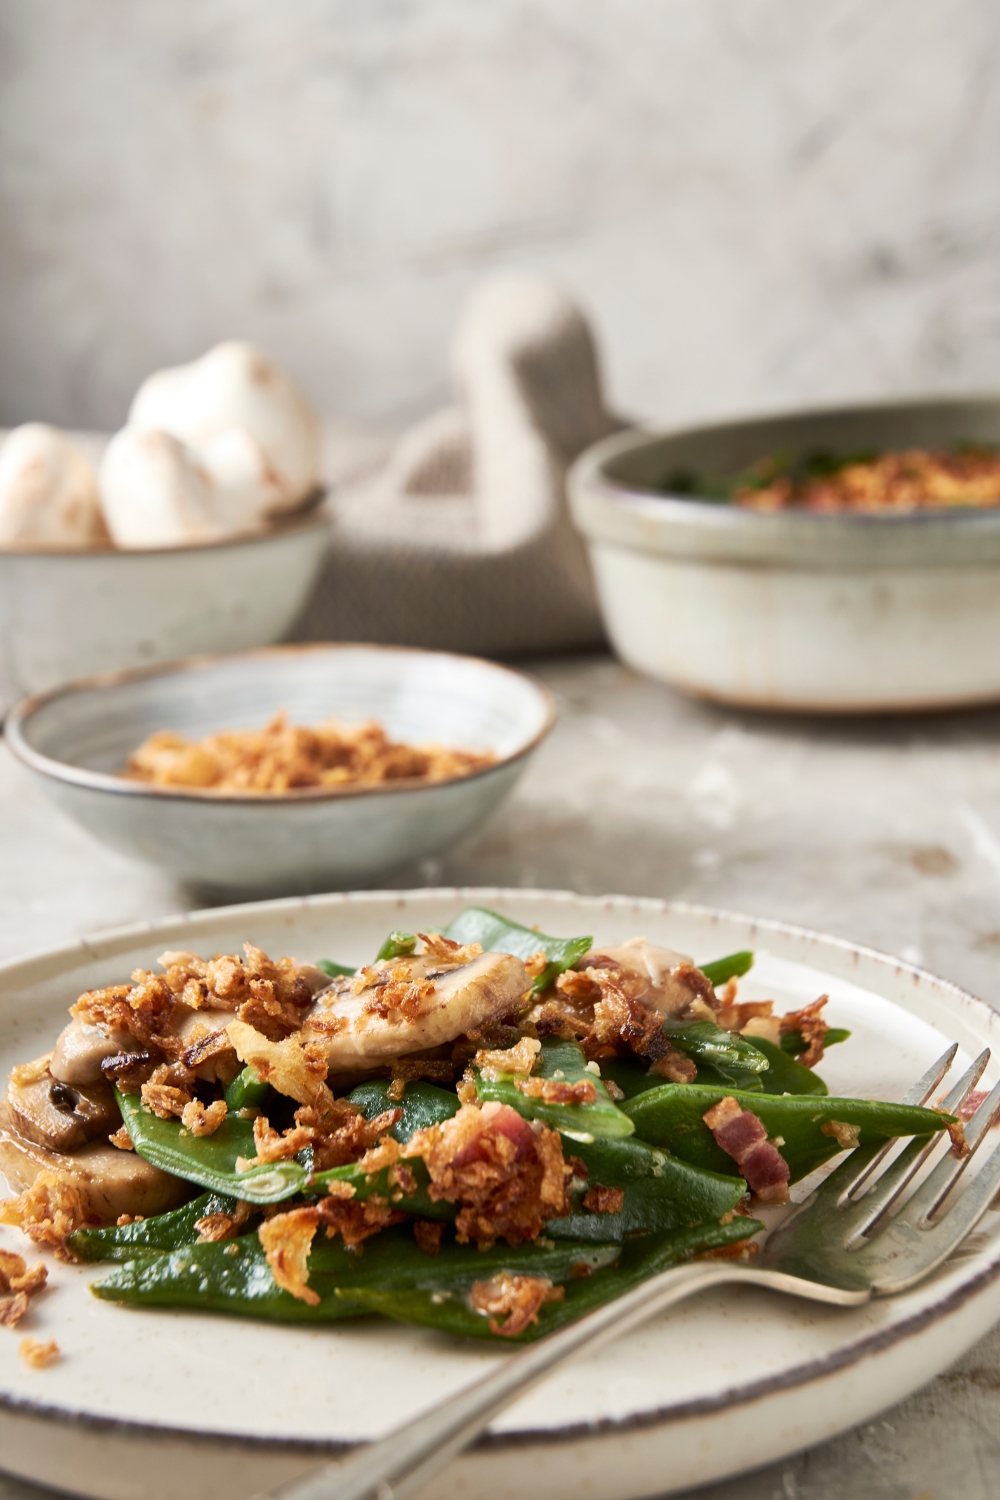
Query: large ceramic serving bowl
[(787, 610), (148, 1405), (74, 739), (68, 614)]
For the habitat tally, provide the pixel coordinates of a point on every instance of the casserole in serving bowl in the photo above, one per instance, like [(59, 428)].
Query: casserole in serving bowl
[(792, 608)]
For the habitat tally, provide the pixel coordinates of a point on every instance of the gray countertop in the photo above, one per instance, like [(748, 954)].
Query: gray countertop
[(883, 831)]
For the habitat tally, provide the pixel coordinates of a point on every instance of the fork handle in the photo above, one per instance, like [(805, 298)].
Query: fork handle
[(401, 1464)]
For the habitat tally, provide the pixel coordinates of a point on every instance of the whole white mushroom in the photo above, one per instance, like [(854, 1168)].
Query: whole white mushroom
[(235, 387), (154, 491), (48, 491)]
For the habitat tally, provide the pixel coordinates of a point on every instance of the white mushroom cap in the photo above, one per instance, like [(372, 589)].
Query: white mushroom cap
[(246, 489), (235, 386), (154, 491), (48, 490)]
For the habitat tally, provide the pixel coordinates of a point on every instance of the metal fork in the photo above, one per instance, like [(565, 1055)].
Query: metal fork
[(840, 1246)]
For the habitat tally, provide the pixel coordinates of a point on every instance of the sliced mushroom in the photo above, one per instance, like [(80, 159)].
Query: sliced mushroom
[(60, 1115), (465, 999), (81, 1049), (658, 978), (111, 1182)]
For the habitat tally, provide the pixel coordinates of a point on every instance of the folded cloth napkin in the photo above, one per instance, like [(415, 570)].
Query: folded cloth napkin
[(461, 539)]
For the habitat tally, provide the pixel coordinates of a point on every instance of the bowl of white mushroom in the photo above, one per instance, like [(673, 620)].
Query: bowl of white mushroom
[(198, 527)]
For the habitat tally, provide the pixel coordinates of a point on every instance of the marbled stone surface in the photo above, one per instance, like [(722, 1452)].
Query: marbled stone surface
[(761, 202), (883, 831)]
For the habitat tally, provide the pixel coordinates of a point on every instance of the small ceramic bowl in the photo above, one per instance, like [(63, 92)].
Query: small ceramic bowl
[(68, 614), (792, 610), (73, 741)]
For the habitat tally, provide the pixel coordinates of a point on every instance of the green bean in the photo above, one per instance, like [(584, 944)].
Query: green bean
[(233, 1276), (498, 934), (733, 966), (660, 1192), (784, 1075), (794, 1043), (246, 1091), (334, 970), (422, 1104), (397, 945), (151, 1236), (671, 1117), (210, 1160), (736, 1060), (448, 1308), (560, 1061)]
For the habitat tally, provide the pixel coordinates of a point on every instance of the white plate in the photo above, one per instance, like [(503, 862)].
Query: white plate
[(147, 1405)]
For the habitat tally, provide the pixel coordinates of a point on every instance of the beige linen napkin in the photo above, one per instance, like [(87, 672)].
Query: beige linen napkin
[(461, 538)]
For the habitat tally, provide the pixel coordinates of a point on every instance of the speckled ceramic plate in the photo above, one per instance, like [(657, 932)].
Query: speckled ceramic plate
[(146, 1406)]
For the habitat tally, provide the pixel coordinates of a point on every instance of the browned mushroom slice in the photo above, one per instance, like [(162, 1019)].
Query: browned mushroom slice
[(409, 1005), (658, 978), (82, 1048), (60, 1115), (109, 1182)]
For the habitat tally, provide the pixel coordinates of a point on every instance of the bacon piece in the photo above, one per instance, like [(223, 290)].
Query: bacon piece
[(742, 1136), (968, 1109)]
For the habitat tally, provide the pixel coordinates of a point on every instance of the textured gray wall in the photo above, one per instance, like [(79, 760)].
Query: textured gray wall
[(761, 201)]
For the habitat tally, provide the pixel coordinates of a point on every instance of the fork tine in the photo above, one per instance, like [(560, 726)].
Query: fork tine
[(881, 1197), (932, 1193), (906, 1251), (853, 1173)]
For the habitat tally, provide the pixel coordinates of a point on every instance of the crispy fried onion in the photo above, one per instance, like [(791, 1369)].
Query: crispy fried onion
[(436, 945), (269, 996), (518, 1299), (203, 1119), (50, 1209), (17, 1286), (355, 1219), (846, 1136), (339, 1134), (557, 1091), (742, 1136), (295, 1068), (287, 1239), (39, 1353), (756, 1018), (222, 1226), (518, 1059), (507, 1175), (393, 990), (168, 1090), (595, 1007)]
